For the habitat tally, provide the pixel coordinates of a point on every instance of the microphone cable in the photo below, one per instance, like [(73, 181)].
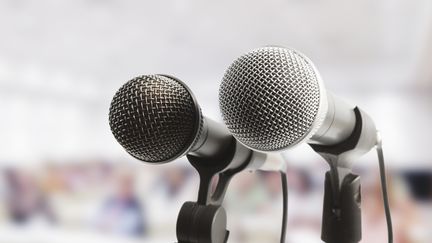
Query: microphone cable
[(285, 205), (380, 154)]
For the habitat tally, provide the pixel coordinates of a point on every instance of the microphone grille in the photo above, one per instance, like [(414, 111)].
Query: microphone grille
[(270, 98), (155, 118)]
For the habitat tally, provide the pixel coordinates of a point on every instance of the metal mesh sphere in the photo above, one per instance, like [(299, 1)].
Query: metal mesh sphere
[(270, 98), (155, 118)]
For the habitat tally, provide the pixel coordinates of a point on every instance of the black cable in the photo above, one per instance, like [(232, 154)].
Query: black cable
[(285, 206), (384, 190)]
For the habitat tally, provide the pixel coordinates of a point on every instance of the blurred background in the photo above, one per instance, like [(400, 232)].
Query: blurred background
[(63, 177)]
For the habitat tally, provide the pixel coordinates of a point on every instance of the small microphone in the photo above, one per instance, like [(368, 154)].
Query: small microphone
[(273, 98), (157, 119), (154, 118)]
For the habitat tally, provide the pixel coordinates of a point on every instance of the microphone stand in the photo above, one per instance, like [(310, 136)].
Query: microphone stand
[(341, 219), (205, 220)]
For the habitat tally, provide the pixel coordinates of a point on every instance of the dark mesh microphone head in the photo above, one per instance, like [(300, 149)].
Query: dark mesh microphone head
[(155, 118), (272, 98)]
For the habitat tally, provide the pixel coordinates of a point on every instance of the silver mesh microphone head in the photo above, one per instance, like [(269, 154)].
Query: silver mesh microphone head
[(272, 98), (155, 118)]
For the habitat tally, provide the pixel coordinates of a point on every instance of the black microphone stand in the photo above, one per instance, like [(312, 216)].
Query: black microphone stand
[(341, 219), (205, 221)]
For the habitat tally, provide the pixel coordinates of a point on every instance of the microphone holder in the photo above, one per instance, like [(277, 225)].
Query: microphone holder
[(341, 219), (205, 220)]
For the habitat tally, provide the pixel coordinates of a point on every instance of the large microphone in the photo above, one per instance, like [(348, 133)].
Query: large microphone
[(157, 119), (273, 98)]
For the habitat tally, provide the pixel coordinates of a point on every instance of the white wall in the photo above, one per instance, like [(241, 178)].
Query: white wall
[(61, 62)]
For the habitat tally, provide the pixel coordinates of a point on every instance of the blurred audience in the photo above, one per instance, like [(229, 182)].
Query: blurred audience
[(122, 212), (144, 201), (25, 201)]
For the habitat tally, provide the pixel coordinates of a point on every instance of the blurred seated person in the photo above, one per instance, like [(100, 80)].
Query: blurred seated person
[(25, 201), (121, 213)]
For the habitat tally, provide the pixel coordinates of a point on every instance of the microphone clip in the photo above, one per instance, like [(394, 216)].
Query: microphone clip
[(205, 221), (341, 221)]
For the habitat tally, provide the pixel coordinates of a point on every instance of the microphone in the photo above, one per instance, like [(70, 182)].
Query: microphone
[(157, 119), (273, 98)]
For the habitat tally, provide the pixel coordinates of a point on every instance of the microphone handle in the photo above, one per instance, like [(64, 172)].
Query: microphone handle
[(338, 123), (215, 140)]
